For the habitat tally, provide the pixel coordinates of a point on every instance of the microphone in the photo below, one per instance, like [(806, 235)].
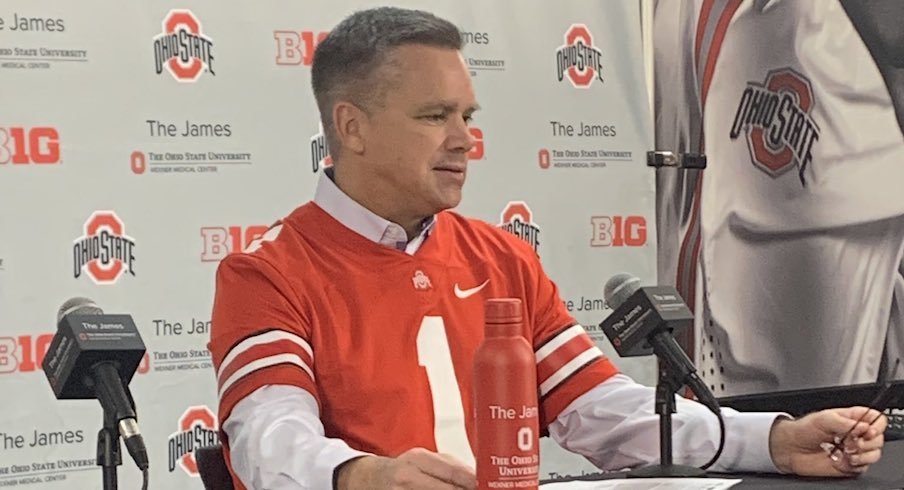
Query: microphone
[(643, 321), (95, 355)]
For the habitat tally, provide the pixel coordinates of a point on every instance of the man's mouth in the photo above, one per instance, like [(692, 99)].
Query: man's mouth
[(458, 169)]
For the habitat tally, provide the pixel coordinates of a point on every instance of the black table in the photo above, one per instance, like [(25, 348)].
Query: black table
[(887, 474)]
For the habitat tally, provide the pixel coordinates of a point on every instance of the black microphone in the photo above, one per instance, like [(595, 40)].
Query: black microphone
[(643, 322), (94, 355)]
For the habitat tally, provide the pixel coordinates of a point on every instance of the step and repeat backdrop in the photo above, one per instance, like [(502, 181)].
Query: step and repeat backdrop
[(143, 141)]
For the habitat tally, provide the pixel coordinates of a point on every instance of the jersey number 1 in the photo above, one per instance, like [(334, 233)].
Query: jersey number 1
[(448, 412)]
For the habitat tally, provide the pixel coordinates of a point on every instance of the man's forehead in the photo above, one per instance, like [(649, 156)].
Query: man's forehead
[(429, 76)]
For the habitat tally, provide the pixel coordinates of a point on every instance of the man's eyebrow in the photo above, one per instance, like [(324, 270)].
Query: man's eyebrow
[(446, 107)]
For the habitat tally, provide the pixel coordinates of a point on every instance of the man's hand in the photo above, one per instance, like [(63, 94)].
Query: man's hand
[(804, 446), (414, 469)]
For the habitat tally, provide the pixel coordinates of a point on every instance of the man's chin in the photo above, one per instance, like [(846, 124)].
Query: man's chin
[(448, 202)]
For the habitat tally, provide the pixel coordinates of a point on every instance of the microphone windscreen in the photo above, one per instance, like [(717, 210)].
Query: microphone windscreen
[(83, 306), (619, 288)]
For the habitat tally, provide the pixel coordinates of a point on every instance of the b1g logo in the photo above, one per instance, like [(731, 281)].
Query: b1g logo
[(578, 59), (104, 252), (25, 354), (220, 242), (22, 146), (476, 153), (182, 49), (618, 231), (320, 151), (776, 119), (517, 219), (296, 48), (197, 428)]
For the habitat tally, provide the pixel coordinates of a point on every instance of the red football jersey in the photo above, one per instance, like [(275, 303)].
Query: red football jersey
[(385, 340)]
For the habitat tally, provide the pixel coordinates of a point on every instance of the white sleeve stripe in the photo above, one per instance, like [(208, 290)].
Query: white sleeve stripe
[(262, 338), (558, 341), (263, 363), (569, 368)]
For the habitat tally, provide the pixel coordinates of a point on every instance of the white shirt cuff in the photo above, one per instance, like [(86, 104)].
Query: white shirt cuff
[(747, 442)]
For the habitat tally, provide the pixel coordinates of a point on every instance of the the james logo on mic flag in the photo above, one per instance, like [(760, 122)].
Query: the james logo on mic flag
[(638, 312)]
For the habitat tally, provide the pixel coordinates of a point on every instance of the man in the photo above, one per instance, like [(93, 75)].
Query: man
[(343, 357), (797, 222)]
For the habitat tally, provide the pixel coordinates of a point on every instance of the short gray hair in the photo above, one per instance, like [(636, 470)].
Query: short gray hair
[(347, 60)]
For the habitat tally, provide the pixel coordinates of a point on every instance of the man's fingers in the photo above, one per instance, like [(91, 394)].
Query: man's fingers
[(853, 413), (847, 423), (452, 460), (415, 478), (864, 458), (865, 415), (879, 425), (868, 434), (845, 467), (445, 469), (864, 444)]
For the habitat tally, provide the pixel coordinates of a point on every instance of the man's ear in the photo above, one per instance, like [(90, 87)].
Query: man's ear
[(350, 126)]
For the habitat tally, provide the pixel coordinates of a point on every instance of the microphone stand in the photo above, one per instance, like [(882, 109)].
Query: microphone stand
[(666, 387), (109, 454), (668, 384)]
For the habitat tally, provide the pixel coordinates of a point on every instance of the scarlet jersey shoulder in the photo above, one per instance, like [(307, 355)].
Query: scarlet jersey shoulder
[(483, 239), (283, 247), (272, 246), (260, 318)]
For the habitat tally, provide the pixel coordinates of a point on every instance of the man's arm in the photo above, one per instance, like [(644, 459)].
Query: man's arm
[(277, 441), (613, 426)]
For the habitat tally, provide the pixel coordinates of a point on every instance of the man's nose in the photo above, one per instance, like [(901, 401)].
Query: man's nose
[(459, 137)]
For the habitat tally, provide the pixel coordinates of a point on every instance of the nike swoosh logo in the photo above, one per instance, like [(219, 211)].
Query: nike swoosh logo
[(465, 293)]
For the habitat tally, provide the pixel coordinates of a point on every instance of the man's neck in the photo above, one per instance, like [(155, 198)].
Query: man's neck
[(379, 203)]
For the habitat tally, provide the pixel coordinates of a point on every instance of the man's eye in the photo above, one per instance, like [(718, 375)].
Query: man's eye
[(435, 117)]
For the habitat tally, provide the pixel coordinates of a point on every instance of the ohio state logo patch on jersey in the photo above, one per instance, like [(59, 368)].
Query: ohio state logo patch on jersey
[(775, 117)]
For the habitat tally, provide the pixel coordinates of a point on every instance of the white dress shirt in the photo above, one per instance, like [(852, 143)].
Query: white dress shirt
[(277, 440)]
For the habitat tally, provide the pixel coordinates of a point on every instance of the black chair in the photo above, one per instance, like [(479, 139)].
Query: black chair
[(212, 468)]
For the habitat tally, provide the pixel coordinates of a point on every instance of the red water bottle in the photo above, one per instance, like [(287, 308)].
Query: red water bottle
[(505, 401)]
